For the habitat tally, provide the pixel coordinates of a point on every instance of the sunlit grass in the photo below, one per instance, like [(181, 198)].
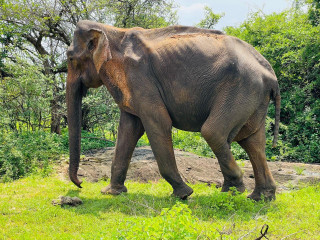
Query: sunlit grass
[(26, 212)]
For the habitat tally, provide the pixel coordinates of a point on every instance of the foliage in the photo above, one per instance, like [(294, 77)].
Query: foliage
[(314, 12), (291, 44), (191, 142), (299, 170), (27, 152), (210, 19), (175, 223), (142, 13), (38, 32), (25, 208), (89, 141), (23, 153), (37, 35), (24, 97), (94, 141), (100, 112)]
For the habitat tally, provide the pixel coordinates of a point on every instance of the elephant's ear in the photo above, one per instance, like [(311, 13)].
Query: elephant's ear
[(100, 48)]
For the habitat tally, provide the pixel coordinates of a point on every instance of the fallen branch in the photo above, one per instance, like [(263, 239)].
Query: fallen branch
[(230, 230), (291, 234), (263, 232)]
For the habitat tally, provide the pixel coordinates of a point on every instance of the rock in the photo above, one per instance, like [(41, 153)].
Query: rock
[(66, 200), (219, 183)]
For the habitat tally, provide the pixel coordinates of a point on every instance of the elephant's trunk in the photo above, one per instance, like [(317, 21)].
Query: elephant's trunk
[(75, 91)]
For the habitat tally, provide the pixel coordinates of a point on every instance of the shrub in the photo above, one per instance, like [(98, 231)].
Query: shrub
[(27, 152), (291, 44), (24, 153), (175, 223), (88, 141)]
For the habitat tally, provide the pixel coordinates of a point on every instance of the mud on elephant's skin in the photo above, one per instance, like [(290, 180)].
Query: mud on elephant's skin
[(193, 79)]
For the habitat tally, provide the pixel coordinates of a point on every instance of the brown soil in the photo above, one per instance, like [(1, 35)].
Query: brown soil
[(96, 165)]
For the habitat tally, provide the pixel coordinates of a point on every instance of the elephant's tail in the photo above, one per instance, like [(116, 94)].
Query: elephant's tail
[(277, 103)]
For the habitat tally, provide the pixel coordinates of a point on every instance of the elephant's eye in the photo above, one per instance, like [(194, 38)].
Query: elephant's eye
[(90, 45)]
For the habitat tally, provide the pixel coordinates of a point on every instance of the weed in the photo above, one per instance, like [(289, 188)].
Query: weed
[(299, 170), (241, 163)]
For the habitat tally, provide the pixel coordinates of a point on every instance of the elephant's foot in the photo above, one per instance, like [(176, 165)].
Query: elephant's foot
[(267, 194), (182, 192), (239, 185), (113, 190)]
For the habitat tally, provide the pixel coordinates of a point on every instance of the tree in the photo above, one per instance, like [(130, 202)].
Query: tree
[(39, 31), (292, 46), (210, 19), (42, 37), (142, 13), (24, 97), (314, 12)]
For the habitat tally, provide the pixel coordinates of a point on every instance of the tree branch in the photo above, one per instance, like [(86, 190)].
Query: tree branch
[(4, 74), (61, 69)]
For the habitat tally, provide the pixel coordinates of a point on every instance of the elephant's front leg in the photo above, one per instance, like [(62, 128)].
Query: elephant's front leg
[(129, 132), (158, 127)]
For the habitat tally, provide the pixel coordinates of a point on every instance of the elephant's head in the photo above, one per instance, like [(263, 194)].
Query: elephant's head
[(88, 52)]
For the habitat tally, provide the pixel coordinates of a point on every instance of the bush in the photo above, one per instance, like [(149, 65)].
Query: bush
[(27, 152), (175, 223), (191, 142), (24, 153), (88, 141), (291, 44)]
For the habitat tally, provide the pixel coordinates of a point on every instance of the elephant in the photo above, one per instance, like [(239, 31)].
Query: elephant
[(189, 78)]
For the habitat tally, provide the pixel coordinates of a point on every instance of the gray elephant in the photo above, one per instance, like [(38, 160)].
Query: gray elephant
[(193, 79)]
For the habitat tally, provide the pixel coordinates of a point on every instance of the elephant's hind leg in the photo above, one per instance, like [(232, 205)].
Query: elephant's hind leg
[(215, 136), (254, 145), (129, 131)]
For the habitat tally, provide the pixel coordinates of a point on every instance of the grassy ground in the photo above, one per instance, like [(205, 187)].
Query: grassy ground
[(149, 212)]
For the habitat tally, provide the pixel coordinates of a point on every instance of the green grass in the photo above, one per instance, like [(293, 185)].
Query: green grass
[(148, 211)]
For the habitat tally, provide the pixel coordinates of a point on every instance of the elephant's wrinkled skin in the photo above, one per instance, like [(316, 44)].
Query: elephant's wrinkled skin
[(193, 79)]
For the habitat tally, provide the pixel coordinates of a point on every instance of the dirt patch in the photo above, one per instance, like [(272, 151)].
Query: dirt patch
[(96, 165)]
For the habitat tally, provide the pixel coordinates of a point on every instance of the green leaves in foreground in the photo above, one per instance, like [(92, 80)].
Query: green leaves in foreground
[(175, 223), (202, 222)]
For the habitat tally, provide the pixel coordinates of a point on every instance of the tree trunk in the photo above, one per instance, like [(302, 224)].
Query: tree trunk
[(55, 115)]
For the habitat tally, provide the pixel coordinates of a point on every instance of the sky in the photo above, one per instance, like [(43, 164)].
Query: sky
[(191, 12)]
